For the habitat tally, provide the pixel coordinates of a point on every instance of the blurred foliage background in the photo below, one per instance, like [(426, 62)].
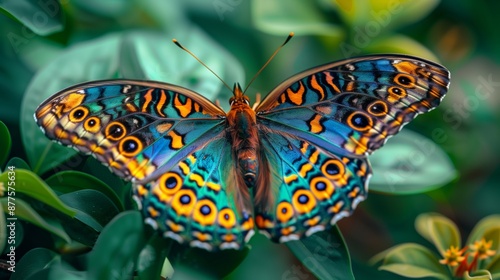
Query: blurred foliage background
[(48, 45)]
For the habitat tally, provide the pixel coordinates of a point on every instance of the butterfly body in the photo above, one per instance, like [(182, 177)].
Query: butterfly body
[(292, 166)]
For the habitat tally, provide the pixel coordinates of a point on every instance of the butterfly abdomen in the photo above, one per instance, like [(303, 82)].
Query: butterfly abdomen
[(243, 136)]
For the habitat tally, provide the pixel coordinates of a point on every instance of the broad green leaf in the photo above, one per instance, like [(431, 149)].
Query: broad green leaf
[(33, 261), (494, 266), (93, 203), (210, 265), (383, 16), (400, 44), (491, 221), (493, 234), (94, 211), (6, 143), (29, 184), (152, 261), (412, 260), (18, 163), (478, 275), (325, 254), (69, 181), (24, 211), (42, 17), (439, 230), (282, 17), (110, 8), (64, 271), (410, 163), (117, 248)]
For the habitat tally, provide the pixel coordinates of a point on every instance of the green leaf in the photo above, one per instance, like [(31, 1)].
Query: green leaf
[(18, 163), (133, 55), (410, 163), (478, 275), (29, 184), (69, 181), (413, 261), (400, 44), (325, 254), (33, 261), (6, 143), (494, 266), (206, 265), (118, 247), (493, 234), (284, 16), (42, 17), (152, 259), (114, 8), (64, 271), (382, 16), (23, 210), (485, 224), (439, 230), (94, 211)]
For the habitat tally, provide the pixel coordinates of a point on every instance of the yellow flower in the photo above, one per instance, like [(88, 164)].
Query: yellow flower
[(481, 249), (452, 256)]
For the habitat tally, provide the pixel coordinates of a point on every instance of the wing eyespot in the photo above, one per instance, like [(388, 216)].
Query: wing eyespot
[(322, 188), (284, 211), (92, 124), (115, 131), (405, 80), (183, 201), (378, 108), (359, 121), (303, 201), (333, 169), (205, 212), (78, 114), (170, 183), (227, 218), (130, 146)]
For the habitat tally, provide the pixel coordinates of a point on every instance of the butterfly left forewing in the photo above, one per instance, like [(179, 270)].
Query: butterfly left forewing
[(137, 128)]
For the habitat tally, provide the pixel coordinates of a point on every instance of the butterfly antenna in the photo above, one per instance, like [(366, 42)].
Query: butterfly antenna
[(269, 60), (201, 62)]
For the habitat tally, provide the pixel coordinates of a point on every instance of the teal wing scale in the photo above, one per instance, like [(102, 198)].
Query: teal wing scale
[(318, 127), (195, 202), (314, 188)]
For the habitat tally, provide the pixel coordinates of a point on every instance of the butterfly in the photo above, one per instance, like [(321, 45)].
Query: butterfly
[(291, 166)]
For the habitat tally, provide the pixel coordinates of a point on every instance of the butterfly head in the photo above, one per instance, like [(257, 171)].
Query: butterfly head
[(239, 97)]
